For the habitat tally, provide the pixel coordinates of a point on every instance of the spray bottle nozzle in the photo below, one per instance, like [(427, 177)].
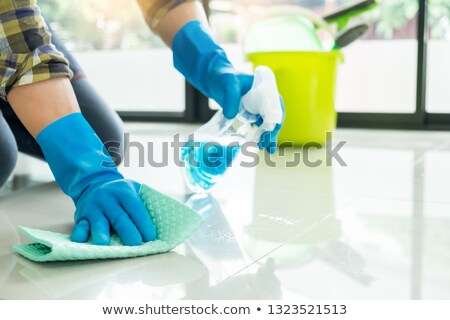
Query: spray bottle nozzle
[(263, 98)]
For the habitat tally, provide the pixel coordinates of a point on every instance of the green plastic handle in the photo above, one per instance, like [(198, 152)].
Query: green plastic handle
[(342, 17)]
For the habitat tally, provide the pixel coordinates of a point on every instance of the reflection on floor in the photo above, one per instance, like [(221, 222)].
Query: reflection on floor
[(376, 228)]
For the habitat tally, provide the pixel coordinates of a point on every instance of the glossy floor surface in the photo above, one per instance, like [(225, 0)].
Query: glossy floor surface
[(375, 228)]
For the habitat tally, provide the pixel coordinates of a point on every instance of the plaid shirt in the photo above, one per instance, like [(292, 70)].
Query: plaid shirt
[(26, 52)]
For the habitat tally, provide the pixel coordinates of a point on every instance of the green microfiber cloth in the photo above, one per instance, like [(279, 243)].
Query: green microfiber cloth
[(174, 223)]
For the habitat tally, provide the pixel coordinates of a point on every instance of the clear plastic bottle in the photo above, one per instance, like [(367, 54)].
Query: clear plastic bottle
[(214, 146)]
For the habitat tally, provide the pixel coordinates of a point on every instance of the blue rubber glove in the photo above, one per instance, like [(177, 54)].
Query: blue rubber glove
[(205, 65), (103, 197)]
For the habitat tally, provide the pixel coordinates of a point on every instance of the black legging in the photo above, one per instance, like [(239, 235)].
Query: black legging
[(14, 137)]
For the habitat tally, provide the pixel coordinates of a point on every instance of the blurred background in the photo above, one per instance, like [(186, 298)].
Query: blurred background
[(379, 74)]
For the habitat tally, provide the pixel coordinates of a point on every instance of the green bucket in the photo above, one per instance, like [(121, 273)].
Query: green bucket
[(306, 81)]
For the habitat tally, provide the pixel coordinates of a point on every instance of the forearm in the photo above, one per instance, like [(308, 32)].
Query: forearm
[(176, 18), (39, 104)]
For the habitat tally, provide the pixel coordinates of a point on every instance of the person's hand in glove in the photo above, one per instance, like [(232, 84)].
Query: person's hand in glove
[(82, 166), (206, 66), (103, 198)]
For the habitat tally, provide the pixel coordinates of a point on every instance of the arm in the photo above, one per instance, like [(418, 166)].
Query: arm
[(102, 196), (176, 18), (184, 28), (34, 78), (32, 67), (58, 101)]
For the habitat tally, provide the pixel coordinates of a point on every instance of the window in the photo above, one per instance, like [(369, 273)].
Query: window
[(379, 72), (382, 82), (438, 53)]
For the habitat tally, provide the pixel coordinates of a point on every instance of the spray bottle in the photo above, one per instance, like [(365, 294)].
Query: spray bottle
[(213, 147)]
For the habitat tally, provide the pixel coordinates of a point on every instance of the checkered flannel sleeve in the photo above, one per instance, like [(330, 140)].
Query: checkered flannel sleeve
[(26, 52), (155, 10)]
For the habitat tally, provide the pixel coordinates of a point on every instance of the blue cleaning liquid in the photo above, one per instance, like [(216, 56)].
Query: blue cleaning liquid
[(206, 162)]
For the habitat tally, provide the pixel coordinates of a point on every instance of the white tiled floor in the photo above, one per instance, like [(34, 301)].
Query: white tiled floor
[(377, 228)]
